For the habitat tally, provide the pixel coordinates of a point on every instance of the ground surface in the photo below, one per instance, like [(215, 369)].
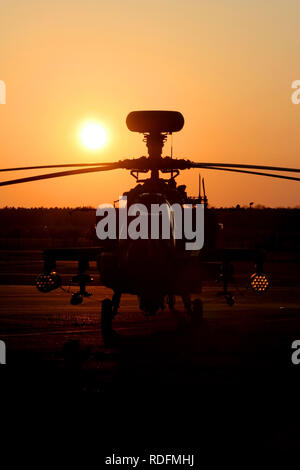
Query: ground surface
[(244, 350), (245, 343)]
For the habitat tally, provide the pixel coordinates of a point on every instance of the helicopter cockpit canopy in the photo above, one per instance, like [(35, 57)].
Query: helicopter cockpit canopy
[(155, 121)]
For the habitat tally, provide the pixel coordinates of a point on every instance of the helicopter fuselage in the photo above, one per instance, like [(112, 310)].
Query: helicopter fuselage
[(153, 267)]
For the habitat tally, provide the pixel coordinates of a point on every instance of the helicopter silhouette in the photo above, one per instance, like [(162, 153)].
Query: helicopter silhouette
[(155, 270)]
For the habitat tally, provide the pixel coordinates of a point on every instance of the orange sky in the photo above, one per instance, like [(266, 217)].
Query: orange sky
[(227, 65)]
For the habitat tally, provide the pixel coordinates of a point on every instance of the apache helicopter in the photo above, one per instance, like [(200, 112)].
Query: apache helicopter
[(156, 270)]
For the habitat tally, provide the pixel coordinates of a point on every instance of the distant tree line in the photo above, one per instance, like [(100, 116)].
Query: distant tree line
[(39, 228)]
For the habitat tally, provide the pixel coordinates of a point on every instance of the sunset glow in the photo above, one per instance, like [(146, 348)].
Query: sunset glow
[(93, 136), (222, 64)]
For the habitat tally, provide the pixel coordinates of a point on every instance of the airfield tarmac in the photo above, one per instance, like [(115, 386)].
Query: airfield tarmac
[(60, 346), (236, 361)]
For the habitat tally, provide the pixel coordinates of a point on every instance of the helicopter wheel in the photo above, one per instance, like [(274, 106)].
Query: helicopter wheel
[(197, 311), (171, 301), (115, 302), (230, 300), (187, 304), (106, 320)]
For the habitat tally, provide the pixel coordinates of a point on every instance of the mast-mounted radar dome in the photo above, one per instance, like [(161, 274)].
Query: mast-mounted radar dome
[(155, 121)]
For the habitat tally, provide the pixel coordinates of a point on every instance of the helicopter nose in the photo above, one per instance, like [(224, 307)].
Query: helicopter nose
[(152, 255)]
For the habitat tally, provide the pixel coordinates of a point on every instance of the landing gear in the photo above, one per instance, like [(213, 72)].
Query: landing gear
[(150, 304), (116, 302), (226, 276), (197, 311), (108, 311), (194, 309), (76, 299), (186, 299), (106, 316), (229, 299), (171, 301)]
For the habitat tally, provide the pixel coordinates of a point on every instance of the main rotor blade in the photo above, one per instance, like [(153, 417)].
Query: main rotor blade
[(238, 165), (64, 165), (136, 161), (293, 178), (59, 174)]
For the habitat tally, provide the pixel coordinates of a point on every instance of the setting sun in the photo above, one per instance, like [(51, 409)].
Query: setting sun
[(93, 136)]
